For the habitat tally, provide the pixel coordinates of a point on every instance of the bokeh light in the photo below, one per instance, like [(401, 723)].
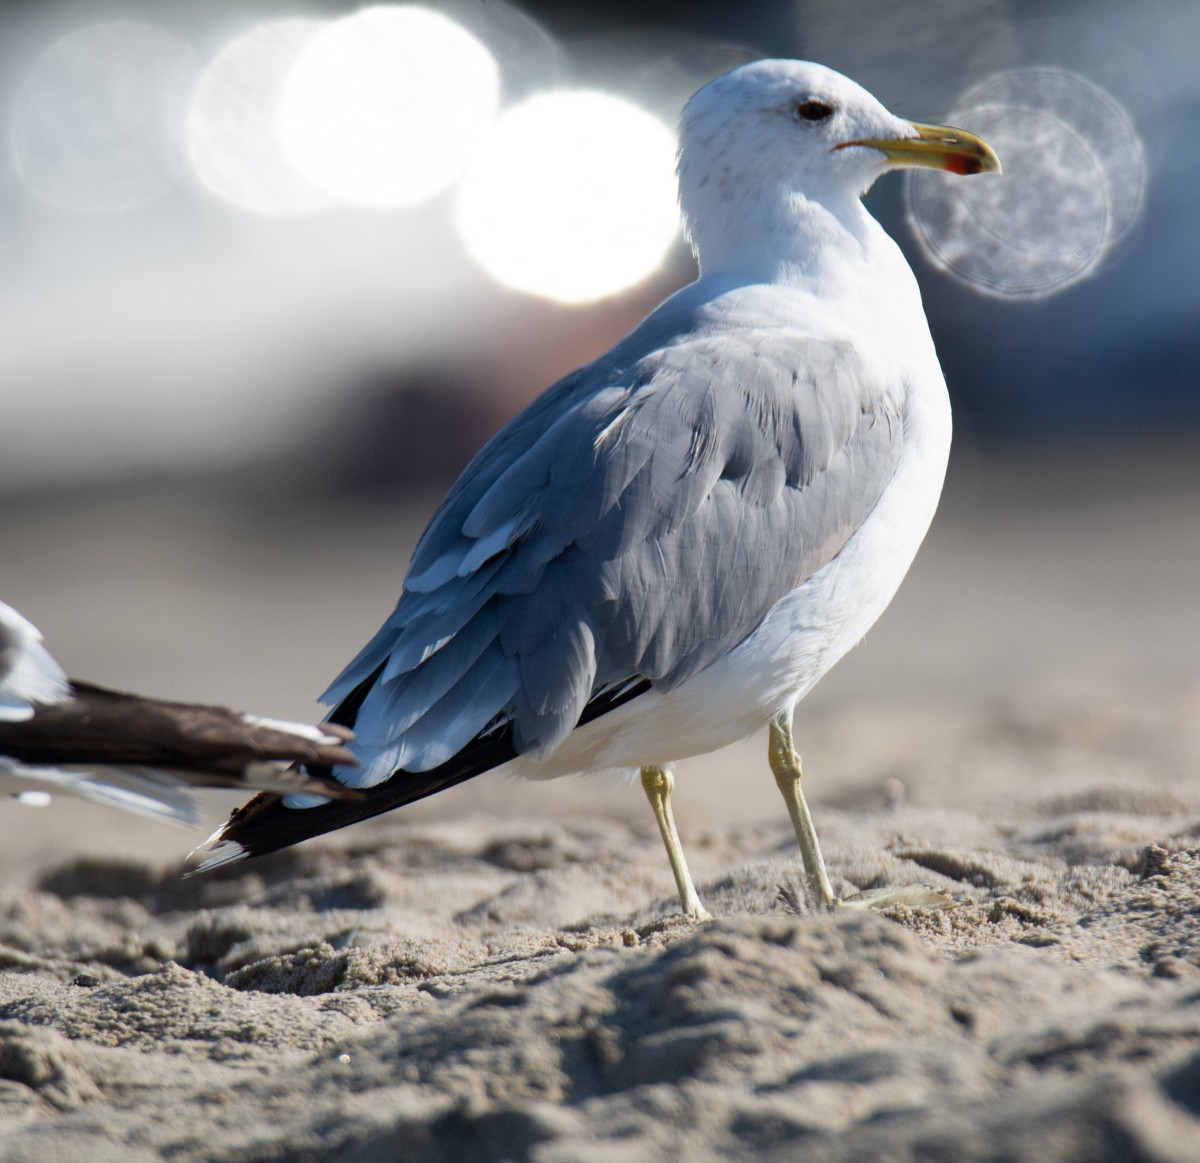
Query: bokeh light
[(916, 58), (386, 107), (1073, 184), (95, 123), (573, 197), (530, 58), (232, 137)]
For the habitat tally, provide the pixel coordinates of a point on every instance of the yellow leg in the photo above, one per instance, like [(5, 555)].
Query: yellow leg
[(658, 783), (785, 763)]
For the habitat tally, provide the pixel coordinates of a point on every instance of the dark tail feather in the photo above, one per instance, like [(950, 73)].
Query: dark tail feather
[(200, 745)]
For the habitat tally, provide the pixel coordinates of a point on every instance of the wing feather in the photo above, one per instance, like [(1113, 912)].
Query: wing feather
[(636, 521)]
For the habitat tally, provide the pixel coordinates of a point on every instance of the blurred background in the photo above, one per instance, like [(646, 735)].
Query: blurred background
[(270, 273)]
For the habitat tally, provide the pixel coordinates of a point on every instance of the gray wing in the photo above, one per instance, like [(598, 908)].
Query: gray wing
[(635, 522)]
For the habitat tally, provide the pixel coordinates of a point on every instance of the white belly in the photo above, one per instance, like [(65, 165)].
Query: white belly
[(802, 636)]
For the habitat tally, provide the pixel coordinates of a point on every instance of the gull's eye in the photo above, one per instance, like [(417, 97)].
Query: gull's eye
[(813, 110)]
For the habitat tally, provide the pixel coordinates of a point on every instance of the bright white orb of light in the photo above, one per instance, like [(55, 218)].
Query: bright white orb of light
[(573, 196), (387, 107), (95, 124), (232, 141), (1073, 183)]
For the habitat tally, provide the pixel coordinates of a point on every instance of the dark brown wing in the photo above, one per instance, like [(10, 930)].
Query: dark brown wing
[(204, 746)]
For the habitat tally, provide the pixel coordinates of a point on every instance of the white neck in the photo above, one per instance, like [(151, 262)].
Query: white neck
[(783, 237), (830, 251)]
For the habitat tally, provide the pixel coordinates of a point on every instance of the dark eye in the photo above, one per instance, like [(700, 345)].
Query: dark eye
[(813, 110)]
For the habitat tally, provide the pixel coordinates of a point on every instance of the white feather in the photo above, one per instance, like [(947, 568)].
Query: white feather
[(28, 674)]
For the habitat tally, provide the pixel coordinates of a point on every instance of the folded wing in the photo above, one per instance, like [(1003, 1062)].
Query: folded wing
[(634, 524)]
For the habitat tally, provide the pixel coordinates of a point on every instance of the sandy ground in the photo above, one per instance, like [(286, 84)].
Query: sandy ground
[(499, 973)]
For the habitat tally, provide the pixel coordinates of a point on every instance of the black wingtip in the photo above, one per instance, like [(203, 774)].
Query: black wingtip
[(265, 824)]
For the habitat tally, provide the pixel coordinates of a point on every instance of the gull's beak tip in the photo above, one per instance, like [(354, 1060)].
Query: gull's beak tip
[(937, 147)]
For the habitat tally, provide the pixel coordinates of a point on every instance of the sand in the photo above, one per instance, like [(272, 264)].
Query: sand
[(501, 973)]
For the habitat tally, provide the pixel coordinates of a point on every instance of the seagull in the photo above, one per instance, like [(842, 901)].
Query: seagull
[(669, 547), (62, 735)]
